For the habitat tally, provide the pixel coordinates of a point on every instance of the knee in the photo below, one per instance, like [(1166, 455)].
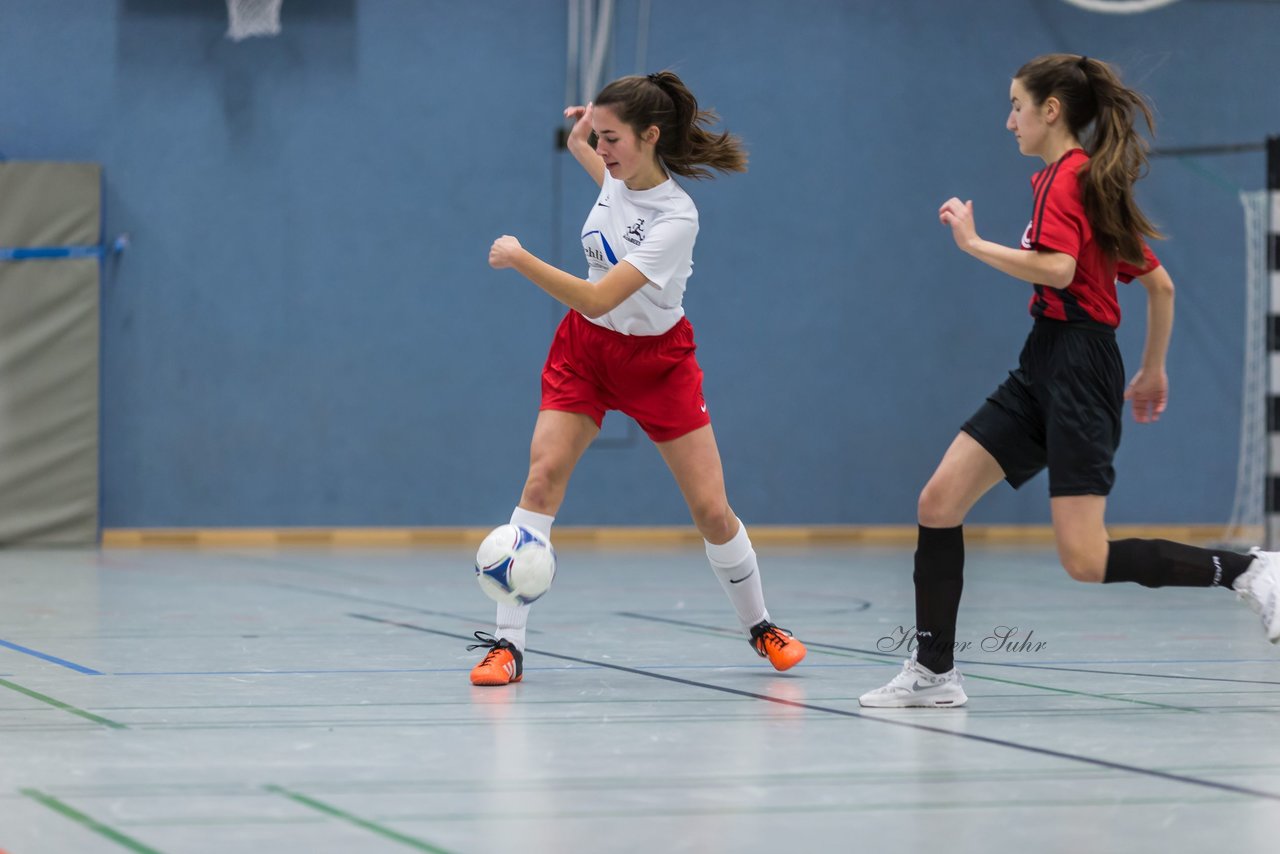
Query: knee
[(715, 520), (1084, 566), (934, 510), (542, 489)]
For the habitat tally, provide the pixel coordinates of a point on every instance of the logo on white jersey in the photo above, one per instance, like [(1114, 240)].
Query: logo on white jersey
[(601, 258), (635, 233), (1026, 237)]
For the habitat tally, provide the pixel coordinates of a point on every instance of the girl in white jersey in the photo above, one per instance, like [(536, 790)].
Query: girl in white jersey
[(625, 343)]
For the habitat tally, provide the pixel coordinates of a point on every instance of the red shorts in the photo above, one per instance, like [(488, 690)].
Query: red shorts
[(655, 379)]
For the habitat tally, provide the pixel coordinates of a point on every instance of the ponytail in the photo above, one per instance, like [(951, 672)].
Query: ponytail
[(1092, 95), (685, 146)]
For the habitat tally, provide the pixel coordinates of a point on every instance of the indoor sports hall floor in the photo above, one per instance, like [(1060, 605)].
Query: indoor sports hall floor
[(317, 701)]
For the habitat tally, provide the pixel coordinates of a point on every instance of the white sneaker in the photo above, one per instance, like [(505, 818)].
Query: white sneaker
[(1260, 588), (918, 686)]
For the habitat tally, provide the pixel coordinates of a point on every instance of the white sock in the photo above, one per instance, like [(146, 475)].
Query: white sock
[(734, 563), (537, 521), (512, 619)]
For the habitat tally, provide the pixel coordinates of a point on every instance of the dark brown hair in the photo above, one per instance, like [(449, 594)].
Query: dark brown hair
[(1091, 94), (685, 145)]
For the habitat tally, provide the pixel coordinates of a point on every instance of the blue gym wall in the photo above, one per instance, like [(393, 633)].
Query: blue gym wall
[(305, 330)]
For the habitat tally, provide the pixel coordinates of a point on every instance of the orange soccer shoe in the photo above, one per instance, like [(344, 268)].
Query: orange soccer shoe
[(501, 665), (777, 645)]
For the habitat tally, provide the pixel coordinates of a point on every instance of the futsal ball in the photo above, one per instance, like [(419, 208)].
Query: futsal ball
[(515, 565)]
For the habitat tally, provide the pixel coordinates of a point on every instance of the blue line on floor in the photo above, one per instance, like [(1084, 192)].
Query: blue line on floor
[(282, 672), (52, 659), (465, 669)]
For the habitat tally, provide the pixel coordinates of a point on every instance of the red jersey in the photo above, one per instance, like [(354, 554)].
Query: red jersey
[(1058, 224)]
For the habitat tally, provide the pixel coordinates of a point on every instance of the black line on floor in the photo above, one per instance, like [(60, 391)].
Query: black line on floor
[(1042, 751), (898, 655)]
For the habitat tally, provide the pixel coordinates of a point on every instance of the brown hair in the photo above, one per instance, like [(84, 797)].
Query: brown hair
[(1091, 93), (685, 146)]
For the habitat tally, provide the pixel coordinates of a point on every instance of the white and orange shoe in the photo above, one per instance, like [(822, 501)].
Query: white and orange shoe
[(501, 665), (777, 645)]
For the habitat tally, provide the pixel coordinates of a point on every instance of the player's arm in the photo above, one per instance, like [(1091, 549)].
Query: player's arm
[(1039, 267), (591, 299), (1149, 389), (579, 143)]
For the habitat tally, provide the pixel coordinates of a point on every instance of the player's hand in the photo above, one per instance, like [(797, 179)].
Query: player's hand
[(959, 215), (503, 252), (1149, 394), (581, 117)]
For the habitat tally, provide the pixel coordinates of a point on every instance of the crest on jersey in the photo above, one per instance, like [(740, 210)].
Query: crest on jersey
[(635, 233)]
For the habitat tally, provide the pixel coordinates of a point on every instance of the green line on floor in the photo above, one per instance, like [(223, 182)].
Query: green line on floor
[(1085, 694), (58, 704), (84, 820), (387, 832)]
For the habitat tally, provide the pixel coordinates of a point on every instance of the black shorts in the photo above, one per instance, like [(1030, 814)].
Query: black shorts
[(1061, 408)]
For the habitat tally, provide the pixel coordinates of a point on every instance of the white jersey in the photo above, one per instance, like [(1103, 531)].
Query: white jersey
[(654, 231)]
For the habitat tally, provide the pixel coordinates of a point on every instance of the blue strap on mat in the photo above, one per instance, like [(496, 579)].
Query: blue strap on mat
[(101, 250)]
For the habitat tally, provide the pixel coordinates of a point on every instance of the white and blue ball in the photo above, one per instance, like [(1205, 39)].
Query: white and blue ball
[(515, 565)]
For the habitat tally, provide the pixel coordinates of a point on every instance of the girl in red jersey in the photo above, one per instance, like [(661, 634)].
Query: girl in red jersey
[(625, 343), (1061, 408)]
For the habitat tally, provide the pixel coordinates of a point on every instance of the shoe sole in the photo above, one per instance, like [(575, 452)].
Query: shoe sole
[(938, 701), (920, 704), (494, 682), (786, 665)]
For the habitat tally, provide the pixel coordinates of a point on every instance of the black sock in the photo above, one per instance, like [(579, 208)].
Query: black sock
[(1160, 563), (939, 579)]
